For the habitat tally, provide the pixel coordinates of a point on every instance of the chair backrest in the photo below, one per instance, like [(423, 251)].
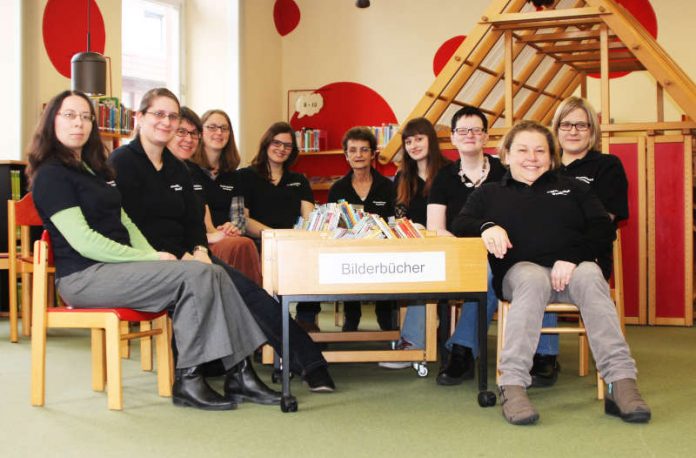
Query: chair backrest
[(23, 214)]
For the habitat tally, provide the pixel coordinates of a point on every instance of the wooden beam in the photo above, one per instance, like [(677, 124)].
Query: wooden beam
[(585, 46), (509, 113), (545, 24), (645, 126), (549, 16), (594, 56), (604, 74), (614, 66), (660, 99), (561, 36)]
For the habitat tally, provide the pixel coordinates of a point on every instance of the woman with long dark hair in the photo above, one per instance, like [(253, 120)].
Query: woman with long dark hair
[(102, 258)]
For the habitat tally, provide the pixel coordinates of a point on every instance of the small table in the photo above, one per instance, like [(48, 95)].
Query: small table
[(301, 266)]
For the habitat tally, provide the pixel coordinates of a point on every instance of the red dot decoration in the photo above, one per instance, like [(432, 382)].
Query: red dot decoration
[(65, 31), (643, 11), (286, 16), (445, 52), (346, 105)]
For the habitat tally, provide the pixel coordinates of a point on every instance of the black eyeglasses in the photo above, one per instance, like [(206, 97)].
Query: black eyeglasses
[(279, 144), (173, 117), (214, 127), (466, 130), (181, 132), (72, 115), (579, 126)]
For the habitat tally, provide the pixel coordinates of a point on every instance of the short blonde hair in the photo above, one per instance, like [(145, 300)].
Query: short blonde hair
[(530, 126), (574, 103)]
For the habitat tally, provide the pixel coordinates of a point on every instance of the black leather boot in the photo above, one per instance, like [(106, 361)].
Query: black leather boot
[(460, 366), (191, 390), (242, 384), (544, 371)]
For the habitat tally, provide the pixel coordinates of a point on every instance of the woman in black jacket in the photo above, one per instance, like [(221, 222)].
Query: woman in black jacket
[(544, 232)]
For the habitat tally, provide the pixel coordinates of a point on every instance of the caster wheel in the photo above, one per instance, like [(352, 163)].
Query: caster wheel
[(486, 399), (288, 404), (422, 370)]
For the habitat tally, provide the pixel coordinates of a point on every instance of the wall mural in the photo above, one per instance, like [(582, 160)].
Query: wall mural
[(286, 16), (65, 31)]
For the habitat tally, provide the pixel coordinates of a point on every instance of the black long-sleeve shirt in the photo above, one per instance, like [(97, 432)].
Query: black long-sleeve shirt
[(161, 202), (556, 218)]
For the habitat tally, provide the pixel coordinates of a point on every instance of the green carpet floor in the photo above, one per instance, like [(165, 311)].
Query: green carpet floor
[(374, 412)]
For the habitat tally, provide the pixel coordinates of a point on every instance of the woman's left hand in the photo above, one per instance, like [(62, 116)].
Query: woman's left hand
[(229, 229), (560, 274)]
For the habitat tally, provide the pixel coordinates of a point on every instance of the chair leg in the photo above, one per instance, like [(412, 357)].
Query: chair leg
[(113, 364), (583, 354), (125, 344), (170, 352), (38, 362), (14, 323), (163, 351), (502, 314), (600, 387), (98, 363), (26, 304), (146, 347)]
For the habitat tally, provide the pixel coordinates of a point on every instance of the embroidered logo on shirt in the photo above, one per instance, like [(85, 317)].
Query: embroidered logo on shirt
[(176, 187), (558, 192), (295, 184), (379, 203), (197, 187), (111, 183), (226, 187), (587, 180)]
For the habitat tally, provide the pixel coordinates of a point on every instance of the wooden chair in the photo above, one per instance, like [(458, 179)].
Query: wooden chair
[(107, 333), (572, 310), (21, 215)]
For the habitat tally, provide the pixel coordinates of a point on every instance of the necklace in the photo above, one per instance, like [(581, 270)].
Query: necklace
[(474, 184)]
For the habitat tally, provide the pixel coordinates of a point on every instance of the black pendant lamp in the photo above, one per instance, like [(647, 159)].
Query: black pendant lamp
[(88, 69)]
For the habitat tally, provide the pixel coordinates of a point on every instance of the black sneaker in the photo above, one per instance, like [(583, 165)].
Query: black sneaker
[(460, 366), (319, 380), (544, 371)]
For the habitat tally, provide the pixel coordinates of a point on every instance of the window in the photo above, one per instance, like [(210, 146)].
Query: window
[(151, 47)]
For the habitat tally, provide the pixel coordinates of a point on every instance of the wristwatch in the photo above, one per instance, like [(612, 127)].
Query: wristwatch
[(200, 248)]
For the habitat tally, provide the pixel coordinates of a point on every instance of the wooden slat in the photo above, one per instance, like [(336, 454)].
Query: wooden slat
[(614, 66), (544, 24), (585, 46), (547, 16), (509, 110), (561, 36), (594, 56)]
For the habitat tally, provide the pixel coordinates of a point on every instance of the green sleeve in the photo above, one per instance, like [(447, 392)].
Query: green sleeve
[(92, 245), (137, 238)]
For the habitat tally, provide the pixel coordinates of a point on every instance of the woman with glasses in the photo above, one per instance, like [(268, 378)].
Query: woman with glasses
[(450, 190), (102, 258), (215, 191), (158, 195), (544, 232), (274, 196), (576, 126)]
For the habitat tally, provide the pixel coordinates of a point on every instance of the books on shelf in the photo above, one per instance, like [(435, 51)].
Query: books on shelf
[(345, 221), (384, 133), (112, 116), (311, 140)]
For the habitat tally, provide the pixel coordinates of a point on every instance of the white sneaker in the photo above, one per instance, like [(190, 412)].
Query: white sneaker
[(403, 344)]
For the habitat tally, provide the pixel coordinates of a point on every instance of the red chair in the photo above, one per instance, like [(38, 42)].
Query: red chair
[(107, 333)]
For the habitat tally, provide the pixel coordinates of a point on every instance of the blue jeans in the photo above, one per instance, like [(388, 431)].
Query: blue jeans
[(465, 334)]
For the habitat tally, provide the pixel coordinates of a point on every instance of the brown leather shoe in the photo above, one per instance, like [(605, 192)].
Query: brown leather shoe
[(517, 409), (623, 400)]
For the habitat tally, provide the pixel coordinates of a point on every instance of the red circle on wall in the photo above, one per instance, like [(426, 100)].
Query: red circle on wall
[(346, 105), (65, 31), (445, 51), (643, 11), (286, 16)]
